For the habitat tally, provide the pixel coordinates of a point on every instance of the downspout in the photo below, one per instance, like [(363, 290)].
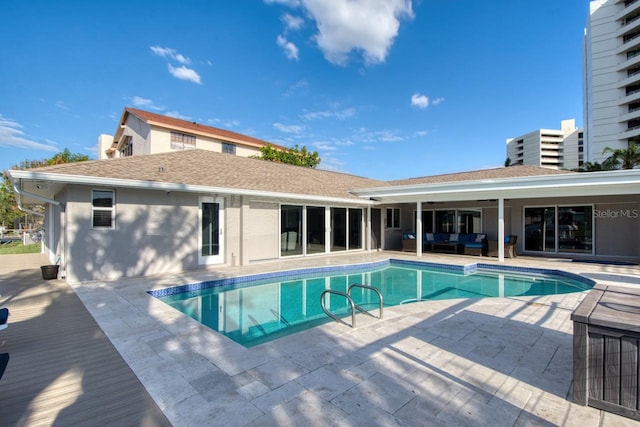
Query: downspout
[(22, 193)]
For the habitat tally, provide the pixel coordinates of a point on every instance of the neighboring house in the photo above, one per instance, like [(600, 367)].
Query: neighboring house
[(142, 132), (178, 211), (549, 148), (611, 75)]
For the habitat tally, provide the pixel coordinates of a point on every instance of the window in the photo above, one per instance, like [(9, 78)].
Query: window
[(102, 208), (290, 230), (315, 229), (338, 229), (427, 221), (228, 148), (355, 228), (446, 221), (559, 229), (127, 147), (469, 221), (182, 141), (540, 229), (575, 229), (393, 217)]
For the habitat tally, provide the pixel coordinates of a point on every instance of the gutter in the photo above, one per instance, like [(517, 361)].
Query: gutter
[(21, 193), (170, 186)]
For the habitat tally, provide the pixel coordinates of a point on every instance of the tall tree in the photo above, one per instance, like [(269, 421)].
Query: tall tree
[(9, 212), (623, 158), (294, 156)]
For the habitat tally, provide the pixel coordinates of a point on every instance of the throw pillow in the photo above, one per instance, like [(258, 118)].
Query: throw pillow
[(453, 237), (429, 236), (480, 238)]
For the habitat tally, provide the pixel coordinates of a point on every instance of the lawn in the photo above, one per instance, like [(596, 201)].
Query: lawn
[(19, 248)]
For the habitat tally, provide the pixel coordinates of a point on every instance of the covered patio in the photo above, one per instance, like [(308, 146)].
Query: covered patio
[(490, 190)]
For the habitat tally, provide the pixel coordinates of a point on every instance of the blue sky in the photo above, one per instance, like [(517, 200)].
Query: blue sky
[(387, 89)]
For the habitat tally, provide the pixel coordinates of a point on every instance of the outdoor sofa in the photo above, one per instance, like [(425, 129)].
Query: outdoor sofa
[(460, 243)]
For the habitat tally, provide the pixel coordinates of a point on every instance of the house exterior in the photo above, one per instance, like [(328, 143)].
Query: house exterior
[(611, 68), (191, 209), (142, 132), (550, 148)]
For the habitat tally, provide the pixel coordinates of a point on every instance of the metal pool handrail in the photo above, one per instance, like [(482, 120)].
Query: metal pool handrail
[(353, 305), (371, 288)]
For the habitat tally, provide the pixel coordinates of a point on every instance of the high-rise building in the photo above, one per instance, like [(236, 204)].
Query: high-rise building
[(549, 148), (611, 69)]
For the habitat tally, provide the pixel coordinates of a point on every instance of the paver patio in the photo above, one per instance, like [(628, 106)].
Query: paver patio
[(493, 361)]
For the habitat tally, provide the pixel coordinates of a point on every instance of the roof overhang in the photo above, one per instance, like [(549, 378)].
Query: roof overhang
[(619, 182), (48, 184)]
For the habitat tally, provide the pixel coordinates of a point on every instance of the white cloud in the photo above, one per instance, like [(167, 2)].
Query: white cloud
[(367, 136), (177, 115), (437, 101), (367, 26), (139, 101), (224, 123), (61, 105), (184, 73), (167, 52), (420, 101), (290, 49), (290, 3), (12, 136), (291, 22), (288, 128), (299, 86), (340, 114)]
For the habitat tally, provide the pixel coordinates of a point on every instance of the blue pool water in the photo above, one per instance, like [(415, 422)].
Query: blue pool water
[(254, 309)]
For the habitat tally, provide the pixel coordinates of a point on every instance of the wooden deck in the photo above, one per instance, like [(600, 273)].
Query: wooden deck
[(63, 369)]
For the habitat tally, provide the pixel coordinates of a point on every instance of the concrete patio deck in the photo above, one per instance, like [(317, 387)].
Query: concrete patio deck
[(493, 361)]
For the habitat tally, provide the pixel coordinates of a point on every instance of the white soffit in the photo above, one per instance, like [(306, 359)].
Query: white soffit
[(622, 182)]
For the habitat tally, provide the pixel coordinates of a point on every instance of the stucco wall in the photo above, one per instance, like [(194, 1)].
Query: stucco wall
[(262, 225), (155, 232), (616, 224)]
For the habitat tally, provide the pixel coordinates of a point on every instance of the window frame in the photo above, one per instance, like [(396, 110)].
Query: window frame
[(557, 235), (181, 141), (392, 221), (111, 209), (229, 148)]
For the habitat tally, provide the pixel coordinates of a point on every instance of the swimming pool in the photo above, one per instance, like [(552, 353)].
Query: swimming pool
[(255, 309)]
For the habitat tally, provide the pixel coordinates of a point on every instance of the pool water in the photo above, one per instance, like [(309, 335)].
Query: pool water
[(254, 312)]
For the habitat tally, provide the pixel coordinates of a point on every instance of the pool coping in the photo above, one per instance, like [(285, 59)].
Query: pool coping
[(355, 267)]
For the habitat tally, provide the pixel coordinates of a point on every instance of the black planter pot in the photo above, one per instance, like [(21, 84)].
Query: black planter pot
[(49, 271)]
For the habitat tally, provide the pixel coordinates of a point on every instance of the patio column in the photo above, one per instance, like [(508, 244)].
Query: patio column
[(419, 229), (501, 229), (369, 228)]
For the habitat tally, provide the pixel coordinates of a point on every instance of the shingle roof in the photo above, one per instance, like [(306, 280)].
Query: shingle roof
[(208, 168), (198, 128), (483, 174), (226, 171)]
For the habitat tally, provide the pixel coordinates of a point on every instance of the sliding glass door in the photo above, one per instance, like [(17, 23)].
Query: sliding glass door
[(210, 240)]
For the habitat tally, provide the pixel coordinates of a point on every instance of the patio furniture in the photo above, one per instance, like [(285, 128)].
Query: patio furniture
[(461, 243), (409, 242), (509, 247)]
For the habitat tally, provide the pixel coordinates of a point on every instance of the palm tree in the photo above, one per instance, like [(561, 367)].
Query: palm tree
[(622, 158)]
